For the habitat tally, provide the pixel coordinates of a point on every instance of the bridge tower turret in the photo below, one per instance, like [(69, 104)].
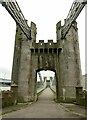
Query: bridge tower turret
[(69, 61)]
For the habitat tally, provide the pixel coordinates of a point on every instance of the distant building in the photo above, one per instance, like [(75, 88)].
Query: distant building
[(5, 84), (5, 81)]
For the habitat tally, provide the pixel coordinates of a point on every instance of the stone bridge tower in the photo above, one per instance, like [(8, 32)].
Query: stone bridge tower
[(61, 57)]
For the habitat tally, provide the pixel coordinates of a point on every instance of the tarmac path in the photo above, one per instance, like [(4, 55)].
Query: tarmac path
[(45, 107)]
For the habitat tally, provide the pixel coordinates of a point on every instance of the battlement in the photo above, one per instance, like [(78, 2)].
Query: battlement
[(59, 27), (33, 31), (43, 47), (43, 44)]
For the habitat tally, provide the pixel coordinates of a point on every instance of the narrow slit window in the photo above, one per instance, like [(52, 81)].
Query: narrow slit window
[(45, 50), (55, 50), (36, 50), (32, 50), (41, 50), (50, 50)]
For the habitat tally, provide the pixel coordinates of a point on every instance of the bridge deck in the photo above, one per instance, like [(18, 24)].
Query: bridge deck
[(45, 107)]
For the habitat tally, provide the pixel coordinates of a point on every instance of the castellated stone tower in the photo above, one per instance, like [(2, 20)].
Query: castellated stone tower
[(61, 57), (69, 61)]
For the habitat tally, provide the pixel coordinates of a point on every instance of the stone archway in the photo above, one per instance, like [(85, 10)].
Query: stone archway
[(43, 58), (62, 56), (48, 75)]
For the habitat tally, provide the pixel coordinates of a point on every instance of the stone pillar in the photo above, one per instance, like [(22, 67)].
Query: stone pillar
[(23, 68), (14, 88), (23, 79), (69, 63), (17, 54), (32, 77), (60, 63)]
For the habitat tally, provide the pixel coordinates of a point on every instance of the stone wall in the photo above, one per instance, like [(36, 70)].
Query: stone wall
[(7, 98), (17, 55), (81, 96)]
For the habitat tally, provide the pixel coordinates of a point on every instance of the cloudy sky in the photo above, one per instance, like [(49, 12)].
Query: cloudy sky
[(45, 13)]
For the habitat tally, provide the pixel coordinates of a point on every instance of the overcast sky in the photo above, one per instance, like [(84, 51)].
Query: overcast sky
[(45, 13)]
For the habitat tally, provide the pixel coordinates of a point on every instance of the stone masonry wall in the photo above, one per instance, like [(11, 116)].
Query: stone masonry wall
[(69, 62), (17, 55), (6, 98)]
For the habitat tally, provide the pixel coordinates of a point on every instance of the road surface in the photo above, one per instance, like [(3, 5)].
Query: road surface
[(45, 107)]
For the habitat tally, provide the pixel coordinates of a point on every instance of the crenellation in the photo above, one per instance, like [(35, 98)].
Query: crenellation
[(58, 31), (41, 41), (33, 31), (42, 44), (50, 41), (58, 26)]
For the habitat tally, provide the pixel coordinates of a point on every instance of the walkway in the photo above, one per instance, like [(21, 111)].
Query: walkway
[(45, 107)]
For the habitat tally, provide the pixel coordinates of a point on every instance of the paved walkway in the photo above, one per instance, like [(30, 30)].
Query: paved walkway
[(45, 107)]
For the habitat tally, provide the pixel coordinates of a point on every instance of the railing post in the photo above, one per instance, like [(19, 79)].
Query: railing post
[(79, 94)]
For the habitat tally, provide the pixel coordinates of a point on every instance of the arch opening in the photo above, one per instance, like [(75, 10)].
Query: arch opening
[(46, 78)]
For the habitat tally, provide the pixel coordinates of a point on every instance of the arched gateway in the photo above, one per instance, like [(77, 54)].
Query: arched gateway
[(61, 57)]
